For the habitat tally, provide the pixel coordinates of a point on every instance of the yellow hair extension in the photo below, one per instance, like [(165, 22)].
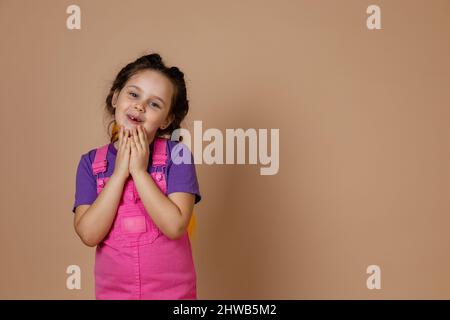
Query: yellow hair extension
[(115, 132), (192, 226)]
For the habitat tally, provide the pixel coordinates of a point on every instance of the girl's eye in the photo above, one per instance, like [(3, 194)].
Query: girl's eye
[(154, 104), (134, 95)]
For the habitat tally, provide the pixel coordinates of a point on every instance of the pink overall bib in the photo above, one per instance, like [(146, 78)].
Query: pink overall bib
[(136, 260)]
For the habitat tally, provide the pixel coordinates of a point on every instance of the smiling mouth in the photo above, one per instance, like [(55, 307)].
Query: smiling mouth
[(133, 119)]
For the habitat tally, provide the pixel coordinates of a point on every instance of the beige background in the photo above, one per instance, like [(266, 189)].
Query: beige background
[(364, 150)]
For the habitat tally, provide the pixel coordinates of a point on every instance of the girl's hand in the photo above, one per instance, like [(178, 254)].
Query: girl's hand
[(140, 152), (123, 155)]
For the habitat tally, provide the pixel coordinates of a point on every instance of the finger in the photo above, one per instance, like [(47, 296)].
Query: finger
[(127, 146), (124, 139), (120, 137), (122, 147), (126, 149), (127, 133), (144, 132), (132, 145), (144, 139), (141, 137), (136, 141)]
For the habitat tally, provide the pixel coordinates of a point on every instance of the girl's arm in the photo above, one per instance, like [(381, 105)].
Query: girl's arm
[(92, 222), (172, 214)]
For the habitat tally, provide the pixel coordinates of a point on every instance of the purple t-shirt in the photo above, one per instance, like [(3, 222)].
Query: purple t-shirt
[(180, 177)]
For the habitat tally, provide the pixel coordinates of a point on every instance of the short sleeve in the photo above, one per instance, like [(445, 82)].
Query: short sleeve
[(182, 175), (86, 187)]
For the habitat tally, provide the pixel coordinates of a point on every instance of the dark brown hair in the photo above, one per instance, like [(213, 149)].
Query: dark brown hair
[(179, 105)]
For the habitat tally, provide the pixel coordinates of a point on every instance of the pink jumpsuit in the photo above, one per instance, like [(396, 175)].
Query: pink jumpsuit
[(136, 260)]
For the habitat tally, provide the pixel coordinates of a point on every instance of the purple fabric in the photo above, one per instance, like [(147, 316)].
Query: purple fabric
[(180, 177)]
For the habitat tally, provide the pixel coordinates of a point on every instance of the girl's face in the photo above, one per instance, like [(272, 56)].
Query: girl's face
[(144, 100)]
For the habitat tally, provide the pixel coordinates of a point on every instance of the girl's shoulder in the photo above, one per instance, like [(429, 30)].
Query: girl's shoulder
[(178, 152), (89, 156), (171, 143)]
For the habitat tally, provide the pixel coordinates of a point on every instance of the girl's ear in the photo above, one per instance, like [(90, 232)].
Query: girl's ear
[(114, 98)]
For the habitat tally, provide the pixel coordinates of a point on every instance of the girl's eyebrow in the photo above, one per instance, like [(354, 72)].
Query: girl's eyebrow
[(132, 85)]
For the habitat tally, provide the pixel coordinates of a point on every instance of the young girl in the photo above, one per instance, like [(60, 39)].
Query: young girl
[(132, 201)]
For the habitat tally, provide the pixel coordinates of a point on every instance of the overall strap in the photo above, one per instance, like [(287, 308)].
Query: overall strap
[(159, 152), (159, 160), (100, 163)]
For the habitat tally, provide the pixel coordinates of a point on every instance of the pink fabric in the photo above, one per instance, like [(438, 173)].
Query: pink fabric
[(136, 260)]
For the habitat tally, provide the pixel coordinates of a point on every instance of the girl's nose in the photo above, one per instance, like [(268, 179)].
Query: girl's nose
[(138, 107)]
